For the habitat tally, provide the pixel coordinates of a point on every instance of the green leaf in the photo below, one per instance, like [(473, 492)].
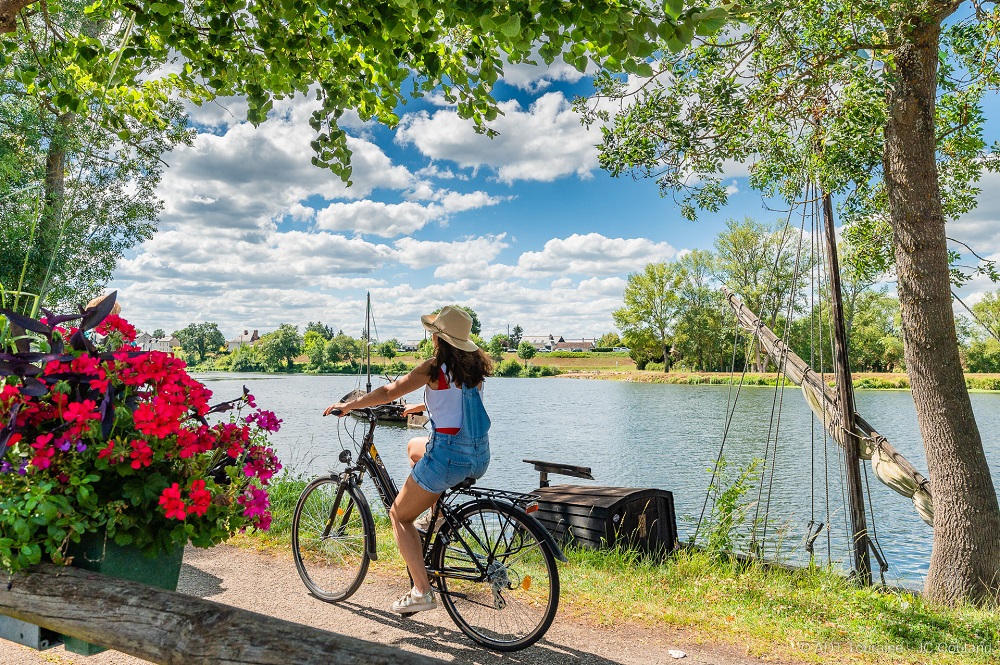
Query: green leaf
[(710, 22), (512, 27), (673, 8)]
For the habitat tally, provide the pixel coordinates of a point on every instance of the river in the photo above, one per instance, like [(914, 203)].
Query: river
[(649, 435)]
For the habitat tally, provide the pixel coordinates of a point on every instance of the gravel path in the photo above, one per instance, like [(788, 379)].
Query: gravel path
[(269, 584)]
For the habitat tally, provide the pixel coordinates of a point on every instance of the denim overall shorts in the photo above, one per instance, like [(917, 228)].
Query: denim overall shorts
[(451, 458)]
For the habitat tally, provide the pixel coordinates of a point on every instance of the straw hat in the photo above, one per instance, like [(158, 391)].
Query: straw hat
[(453, 325), (115, 309)]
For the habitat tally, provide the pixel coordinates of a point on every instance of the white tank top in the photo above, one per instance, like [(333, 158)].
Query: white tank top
[(444, 404)]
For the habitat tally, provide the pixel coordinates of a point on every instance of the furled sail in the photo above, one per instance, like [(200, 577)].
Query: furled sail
[(889, 465)]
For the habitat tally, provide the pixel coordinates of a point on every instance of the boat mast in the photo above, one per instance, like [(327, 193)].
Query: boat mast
[(368, 342), (845, 399)]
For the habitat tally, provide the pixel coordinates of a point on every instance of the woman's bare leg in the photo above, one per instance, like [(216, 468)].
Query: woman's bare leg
[(412, 500), (415, 449)]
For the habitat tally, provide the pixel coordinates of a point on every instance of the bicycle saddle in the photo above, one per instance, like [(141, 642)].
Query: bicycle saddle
[(465, 484)]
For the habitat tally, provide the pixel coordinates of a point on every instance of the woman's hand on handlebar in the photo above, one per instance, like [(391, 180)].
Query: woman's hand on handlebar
[(414, 408), (339, 409)]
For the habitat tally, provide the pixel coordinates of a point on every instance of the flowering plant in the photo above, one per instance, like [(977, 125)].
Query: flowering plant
[(98, 437)]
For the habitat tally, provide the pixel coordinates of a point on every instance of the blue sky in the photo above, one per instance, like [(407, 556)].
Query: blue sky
[(524, 228)]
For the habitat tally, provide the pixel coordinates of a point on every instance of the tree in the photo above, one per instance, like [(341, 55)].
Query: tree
[(200, 339), (314, 346), (159, 333), (754, 261), (324, 331), (608, 340), (700, 339), (515, 336), (526, 351), (370, 59), (388, 350), (651, 300), (344, 349), (284, 344), (78, 194), (426, 348), (476, 326), (497, 345), (883, 108)]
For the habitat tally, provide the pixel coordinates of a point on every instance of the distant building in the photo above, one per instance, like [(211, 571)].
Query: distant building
[(242, 340), (147, 342), (542, 342), (574, 345), (410, 345)]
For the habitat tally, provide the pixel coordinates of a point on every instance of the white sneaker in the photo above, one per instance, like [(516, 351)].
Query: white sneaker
[(423, 523), (413, 602)]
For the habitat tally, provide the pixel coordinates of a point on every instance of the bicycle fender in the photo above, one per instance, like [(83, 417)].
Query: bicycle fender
[(366, 515), (528, 517), (549, 540)]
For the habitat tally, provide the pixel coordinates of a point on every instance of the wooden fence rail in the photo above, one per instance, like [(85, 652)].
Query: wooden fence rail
[(176, 629)]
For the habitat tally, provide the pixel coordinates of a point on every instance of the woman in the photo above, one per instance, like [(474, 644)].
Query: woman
[(458, 447)]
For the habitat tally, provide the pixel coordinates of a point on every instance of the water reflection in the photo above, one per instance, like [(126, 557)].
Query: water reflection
[(642, 435)]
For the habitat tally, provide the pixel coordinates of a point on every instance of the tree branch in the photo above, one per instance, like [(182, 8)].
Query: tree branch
[(9, 9)]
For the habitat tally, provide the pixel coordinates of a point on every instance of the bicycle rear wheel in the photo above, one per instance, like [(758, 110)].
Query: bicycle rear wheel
[(331, 529), (499, 580)]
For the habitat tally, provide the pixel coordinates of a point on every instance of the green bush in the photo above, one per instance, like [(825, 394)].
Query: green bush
[(535, 371), (653, 367), (508, 368), (245, 359)]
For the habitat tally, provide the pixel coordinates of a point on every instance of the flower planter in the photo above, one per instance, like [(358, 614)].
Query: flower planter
[(100, 554)]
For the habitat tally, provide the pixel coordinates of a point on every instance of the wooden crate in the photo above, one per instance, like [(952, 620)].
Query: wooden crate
[(600, 517)]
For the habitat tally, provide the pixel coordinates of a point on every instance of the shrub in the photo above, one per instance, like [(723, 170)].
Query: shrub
[(652, 367), (508, 368)]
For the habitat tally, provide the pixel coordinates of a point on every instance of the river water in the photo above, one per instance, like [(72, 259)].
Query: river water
[(650, 435)]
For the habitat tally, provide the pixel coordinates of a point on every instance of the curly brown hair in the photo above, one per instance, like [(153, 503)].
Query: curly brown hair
[(465, 368)]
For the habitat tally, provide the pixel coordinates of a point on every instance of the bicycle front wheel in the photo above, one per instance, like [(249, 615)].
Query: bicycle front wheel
[(497, 576), (331, 529)]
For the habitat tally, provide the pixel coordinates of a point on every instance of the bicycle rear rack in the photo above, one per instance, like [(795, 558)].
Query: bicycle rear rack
[(516, 498)]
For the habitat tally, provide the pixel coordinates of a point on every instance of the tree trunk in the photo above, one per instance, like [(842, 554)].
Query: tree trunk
[(55, 194), (965, 562)]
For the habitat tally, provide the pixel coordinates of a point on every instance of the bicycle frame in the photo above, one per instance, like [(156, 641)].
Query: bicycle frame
[(369, 462)]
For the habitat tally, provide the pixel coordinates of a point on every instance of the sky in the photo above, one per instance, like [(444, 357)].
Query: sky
[(525, 228)]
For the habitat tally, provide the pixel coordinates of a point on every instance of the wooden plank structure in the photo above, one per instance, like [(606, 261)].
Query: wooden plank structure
[(176, 629), (604, 517)]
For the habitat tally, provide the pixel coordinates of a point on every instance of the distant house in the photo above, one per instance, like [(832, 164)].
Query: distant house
[(242, 340), (410, 345), (147, 342), (542, 342), (574, 345)]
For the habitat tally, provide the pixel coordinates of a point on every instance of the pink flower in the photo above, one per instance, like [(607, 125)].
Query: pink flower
[(142, 454), (201, 498)]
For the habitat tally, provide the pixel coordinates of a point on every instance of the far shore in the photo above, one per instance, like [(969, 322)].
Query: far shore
[(862, 380)]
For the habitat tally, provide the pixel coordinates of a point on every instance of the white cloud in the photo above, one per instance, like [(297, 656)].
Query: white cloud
[(245, 176), (536, 78), (543, 143), (593, 254), (394, 219)]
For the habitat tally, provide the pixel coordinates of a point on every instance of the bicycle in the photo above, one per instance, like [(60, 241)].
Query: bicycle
[(490, 561)]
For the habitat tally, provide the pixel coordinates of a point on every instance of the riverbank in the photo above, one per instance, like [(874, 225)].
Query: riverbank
[(806, 616), (862, 381)]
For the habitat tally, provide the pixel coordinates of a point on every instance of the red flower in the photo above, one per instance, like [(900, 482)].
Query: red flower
[(81, 412), (201, 498), (112, 323), (173, 505), (142, 454), (107, 451), (43, 458)]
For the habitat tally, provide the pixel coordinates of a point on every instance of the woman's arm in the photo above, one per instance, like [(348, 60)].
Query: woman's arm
[(417, 378)]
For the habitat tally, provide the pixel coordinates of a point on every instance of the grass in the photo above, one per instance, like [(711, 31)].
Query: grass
[(809, 615)]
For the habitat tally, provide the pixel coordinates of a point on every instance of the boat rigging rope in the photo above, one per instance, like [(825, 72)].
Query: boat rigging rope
[(779, 371)]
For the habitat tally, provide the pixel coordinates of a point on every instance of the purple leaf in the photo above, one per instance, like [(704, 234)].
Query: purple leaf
[(26, 322), (92, 316), (33, 388)]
